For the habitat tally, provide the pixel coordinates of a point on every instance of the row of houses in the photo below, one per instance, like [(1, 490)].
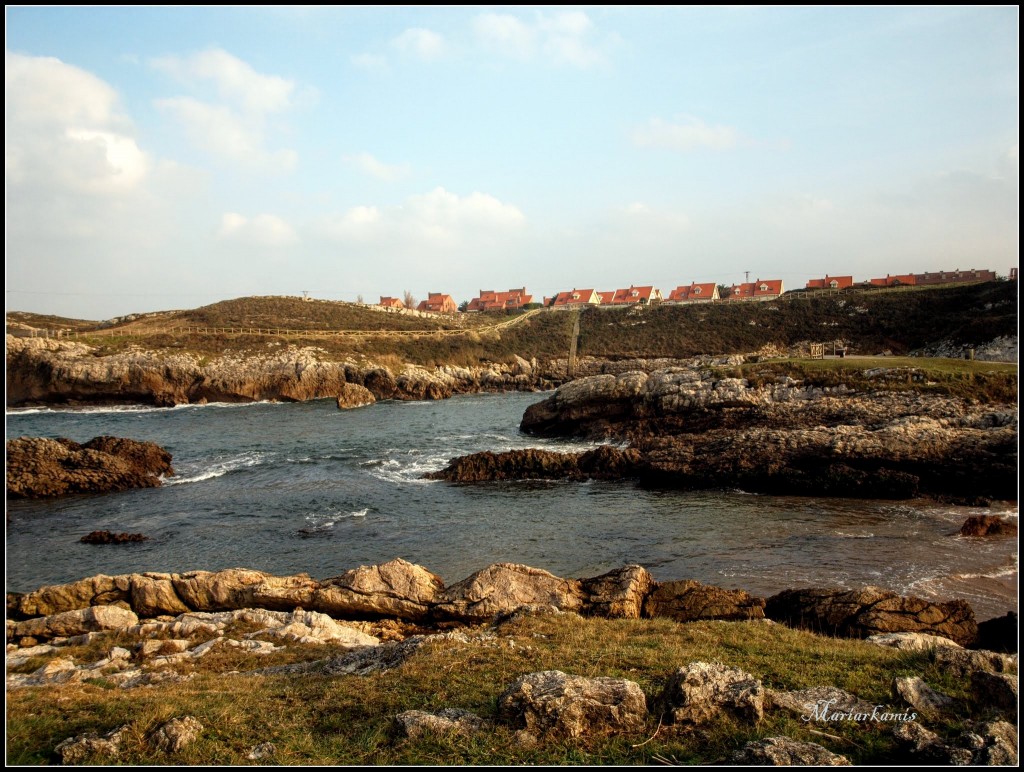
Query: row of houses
[(906, 279), (760, 289)]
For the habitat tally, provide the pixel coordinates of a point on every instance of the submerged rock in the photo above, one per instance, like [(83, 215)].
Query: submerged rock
[(988, 525)]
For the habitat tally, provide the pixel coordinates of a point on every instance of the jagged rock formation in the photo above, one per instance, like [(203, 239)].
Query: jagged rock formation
[(987, 525), (692, 429), (39, 467)]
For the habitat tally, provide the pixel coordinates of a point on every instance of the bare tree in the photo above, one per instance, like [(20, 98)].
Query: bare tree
[(408, 300)]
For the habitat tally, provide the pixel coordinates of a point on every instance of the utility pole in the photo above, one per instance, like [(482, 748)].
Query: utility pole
[(305, 294)]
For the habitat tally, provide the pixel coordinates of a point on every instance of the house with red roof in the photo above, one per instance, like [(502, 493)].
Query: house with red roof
[(762, 289), (576, 298), (895, 281), (831, 282), (954, 277), (438, 303), (632, 296), (606, 297), (391, 302), (694, 293), (489, 300)]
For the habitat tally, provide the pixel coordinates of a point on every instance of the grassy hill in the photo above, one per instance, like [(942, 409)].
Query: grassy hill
[(873, 321)]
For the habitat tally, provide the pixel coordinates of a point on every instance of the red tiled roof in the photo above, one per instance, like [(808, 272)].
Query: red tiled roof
[(631, 295), (831, 282), (391, 302), (705, 291), (762, 288), (489, 300), (438, 303), (576, 297)]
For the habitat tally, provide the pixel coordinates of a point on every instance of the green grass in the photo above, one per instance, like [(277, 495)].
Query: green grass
[(315, 719)]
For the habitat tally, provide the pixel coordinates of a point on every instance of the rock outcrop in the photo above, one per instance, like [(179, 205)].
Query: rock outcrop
[(555, 705), (700, 691), (988, 525), (869, 611), (39, 467), (694, 429), (50, 371), (786, 752)]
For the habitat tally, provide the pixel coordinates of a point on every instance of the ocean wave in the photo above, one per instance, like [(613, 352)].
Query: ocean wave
[(407, 470), (113, 409), (320, 527), (218, 469)]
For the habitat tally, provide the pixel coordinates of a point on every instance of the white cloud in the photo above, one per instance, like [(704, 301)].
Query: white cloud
[(435, 219), (685, 134), (422, 43), (264, 230), (369, 62), (227, 134), (64, 130), (236, 81), (382, 171), (234, 129), (564, 38), (505, 34)]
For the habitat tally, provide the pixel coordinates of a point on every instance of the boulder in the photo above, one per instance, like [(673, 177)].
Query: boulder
[(786, 752), (503, 587), (53, 599), (920, 696), (701, 691), (817, 702), (964, 662), (231, 588), (413, 724), (912, 641), (353, 395), (869, 611), (619, 593), (988, 525), (689, 600), (153, 594), (172, 736), (83, 747), (397, 588), (994, 744), (39, 467), (556, 705), (995, 691)]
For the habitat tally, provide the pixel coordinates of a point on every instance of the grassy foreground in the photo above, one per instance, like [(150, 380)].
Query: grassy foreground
[(319, 719)]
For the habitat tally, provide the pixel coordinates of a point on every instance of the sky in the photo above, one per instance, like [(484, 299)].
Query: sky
[(162, 158)]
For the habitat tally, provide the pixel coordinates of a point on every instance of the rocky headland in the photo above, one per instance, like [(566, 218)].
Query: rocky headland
[(694, 428)]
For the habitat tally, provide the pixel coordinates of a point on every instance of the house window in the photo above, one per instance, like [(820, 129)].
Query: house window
[(763, 288), (575, 296), (833, 284), (696, 290)]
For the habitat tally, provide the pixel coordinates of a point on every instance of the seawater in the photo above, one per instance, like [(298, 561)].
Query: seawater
[(304, 487)]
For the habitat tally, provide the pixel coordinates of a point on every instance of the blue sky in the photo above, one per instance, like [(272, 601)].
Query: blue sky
[(160, 157)]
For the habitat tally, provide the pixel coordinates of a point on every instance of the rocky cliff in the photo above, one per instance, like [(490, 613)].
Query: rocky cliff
[(41, 371)]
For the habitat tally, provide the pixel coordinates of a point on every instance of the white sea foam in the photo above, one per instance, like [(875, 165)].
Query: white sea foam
[(218, 469), (843, 535), (104, 409)]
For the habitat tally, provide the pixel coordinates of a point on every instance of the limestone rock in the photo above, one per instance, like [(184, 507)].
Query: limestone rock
[(689, 600), (68, 623), (231, 588), (920, 696), (415, 723), (964, 662), (553, 704), (352, 395), (53, 599), (75, 750), (870, 610), (786, 752), (39, 467), (619, 593), (397, 588), (700, 691), (998, 746), (153, 594), (817, 702), (173, 735), (912, 641), (503, 587)]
